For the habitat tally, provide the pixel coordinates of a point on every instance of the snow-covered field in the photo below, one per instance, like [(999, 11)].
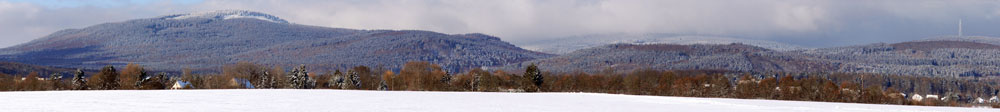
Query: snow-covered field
[(286, 100)]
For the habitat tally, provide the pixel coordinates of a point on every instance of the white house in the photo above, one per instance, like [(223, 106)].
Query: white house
[(930, 96), (994, 99), (180, 85), (916, 97)]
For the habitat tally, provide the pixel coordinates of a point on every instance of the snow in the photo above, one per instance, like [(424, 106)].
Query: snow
[(289, 100), (229, 14)]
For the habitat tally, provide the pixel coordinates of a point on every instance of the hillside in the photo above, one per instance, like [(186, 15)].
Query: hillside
[(265, 100), (629, 57), (24, 69), (565, 45), (948, 58), (924, 58), (977, 39), (208, 40)]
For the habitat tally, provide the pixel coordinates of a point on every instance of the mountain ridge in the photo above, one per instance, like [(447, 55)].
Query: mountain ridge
[(208, 41), (205, 43), (937, 58), (565, 45)]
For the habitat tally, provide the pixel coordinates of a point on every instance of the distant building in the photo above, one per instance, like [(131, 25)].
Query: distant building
[(930, 96), (180, 85), (994, 99), (916, 97), (241, 82)]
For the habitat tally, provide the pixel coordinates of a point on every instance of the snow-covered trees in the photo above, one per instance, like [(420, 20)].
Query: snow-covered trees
[(859, 88), (351, 80), (258, 76), (299, 78), (337, 80), (78, 80), (266, 80), (382, 86), (159, 81), (55, 81), (354, 81), (446, 79)]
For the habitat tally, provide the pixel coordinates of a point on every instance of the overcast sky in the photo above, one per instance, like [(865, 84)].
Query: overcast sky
[(814, 23)]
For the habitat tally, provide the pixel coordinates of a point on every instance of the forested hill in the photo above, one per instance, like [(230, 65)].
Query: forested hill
[(208, 40), (948, 58), (25, 69)]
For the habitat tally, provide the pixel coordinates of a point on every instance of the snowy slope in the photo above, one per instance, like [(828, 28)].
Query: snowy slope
[(401, 101)]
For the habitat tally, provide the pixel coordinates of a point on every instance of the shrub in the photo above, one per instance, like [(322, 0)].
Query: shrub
[(107, 79), (131, 77)]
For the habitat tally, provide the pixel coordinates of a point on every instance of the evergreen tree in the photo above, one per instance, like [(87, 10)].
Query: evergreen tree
[(159, 81), (56, 80), (299, 78), (142, 77), (383, 86), (355, 80), (78, 80), (109, 77), (337, 80), (265, 80), (294, 79), (534, 74), (477, 79), (446, 78)]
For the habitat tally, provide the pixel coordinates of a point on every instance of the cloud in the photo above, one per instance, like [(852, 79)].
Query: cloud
[(525, 19), (23, 21), (13, 14), (808, 22)]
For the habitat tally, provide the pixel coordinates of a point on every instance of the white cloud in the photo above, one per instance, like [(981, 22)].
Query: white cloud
[(799, 18), (519, 19), (22, 22), (13, 14)]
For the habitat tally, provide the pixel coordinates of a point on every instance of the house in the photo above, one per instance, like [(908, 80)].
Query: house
[(38, 78), (954, 97), (930, 96), (180, 85), (897, 95), (994, 99), (980, 100), (241, 82), (916, 97)]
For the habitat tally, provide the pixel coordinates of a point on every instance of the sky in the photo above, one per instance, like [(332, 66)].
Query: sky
[(811, 23)]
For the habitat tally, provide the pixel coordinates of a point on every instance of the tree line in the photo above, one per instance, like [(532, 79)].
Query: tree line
[(424, 76)]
